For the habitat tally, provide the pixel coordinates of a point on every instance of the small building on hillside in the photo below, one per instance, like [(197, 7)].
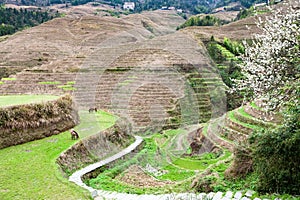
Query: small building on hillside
[(277, 1), (168, 8), (129, 6), (270, 2), (258, 5)]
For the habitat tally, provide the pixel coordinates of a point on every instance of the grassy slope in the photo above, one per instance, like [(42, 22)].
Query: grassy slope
[(24, 99), (29, 171)]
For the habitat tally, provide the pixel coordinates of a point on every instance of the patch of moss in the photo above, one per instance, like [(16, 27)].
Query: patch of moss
[(8, 79), (71, 82), (67, 87)]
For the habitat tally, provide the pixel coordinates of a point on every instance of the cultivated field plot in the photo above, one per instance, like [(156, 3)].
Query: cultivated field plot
[(11, 100)]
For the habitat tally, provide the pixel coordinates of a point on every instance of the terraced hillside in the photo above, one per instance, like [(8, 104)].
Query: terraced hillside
[(172, 163), (238, 30), (160, 167), (235, 126), (141, 69), (156, 73)]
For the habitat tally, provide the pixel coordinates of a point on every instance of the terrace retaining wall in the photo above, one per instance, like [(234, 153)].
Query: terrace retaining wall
[(23, 123)]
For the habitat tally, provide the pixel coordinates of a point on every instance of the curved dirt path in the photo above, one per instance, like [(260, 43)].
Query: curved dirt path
[(76, 177)]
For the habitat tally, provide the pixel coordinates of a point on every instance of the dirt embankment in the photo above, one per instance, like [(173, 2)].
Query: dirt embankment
[(96, 147), (136, 176), (24, 123), (202, 144)]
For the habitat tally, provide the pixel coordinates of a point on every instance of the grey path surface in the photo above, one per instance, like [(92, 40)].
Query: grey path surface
[(76, 177)]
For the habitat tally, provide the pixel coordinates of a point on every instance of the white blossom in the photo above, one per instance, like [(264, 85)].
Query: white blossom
[(271, 61)]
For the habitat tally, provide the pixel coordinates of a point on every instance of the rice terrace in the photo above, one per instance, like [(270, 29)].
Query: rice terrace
[(149, 100)]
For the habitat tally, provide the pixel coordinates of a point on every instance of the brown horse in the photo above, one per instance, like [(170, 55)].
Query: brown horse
[(93, 109), (74, 134)]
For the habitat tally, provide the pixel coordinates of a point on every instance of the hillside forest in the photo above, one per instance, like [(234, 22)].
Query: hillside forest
[(13, 20)]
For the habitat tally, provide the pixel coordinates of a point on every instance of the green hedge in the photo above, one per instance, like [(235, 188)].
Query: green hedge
[(276, 156)]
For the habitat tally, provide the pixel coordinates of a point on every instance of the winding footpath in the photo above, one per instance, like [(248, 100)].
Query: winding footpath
[(107, 195), (76, 177)]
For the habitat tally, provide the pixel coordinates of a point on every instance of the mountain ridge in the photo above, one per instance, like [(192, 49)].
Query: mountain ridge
[(189, 6)]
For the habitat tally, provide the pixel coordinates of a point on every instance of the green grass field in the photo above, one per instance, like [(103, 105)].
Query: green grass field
[(232, 117), (29, 171), (11, 100)]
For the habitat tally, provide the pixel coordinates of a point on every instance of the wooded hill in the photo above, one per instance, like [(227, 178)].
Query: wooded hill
[(13, 20), (192, 6)]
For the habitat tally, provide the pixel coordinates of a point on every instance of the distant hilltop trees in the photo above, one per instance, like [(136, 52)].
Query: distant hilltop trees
[(13, 20), (189, 6)]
